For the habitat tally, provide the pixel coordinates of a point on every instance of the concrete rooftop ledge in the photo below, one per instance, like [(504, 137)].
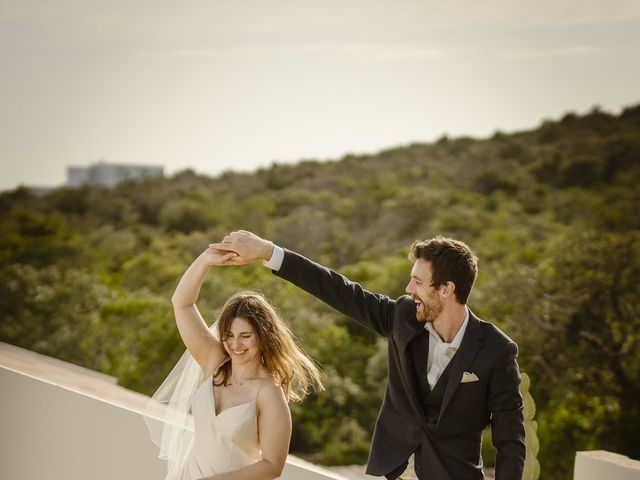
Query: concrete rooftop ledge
[(80, 424), (71, 377), (599, 464)]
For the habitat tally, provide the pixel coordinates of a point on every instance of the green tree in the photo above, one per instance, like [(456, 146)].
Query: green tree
[(50, 310)]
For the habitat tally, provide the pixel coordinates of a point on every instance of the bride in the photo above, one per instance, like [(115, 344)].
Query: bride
[(235, 389)]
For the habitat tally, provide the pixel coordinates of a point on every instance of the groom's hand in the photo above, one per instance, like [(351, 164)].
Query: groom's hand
[(247, 246)]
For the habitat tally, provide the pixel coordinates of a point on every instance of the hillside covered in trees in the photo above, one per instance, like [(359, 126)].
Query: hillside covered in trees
[(553, 213)]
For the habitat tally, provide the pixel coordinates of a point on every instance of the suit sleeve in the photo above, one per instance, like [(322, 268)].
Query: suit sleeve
[(349, 298), (507, 420)]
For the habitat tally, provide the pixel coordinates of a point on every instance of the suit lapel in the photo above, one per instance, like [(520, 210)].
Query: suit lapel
[(409, 330), (471, 343), (418, 349)]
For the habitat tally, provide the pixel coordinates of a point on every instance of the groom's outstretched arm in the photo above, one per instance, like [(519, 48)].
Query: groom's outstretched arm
[(370, 309)]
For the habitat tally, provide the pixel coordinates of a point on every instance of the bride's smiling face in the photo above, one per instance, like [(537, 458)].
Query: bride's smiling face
[(241, 341)]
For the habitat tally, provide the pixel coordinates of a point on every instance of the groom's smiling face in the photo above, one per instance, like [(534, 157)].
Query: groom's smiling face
[(429, 305)]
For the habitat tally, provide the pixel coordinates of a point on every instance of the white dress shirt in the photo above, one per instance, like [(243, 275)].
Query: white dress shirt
[(275, 262), (441, 352)]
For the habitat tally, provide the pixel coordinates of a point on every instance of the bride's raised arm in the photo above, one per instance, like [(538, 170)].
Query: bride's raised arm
[(201, 343)]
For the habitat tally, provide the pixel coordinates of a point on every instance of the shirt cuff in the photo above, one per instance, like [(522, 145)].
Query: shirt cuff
[(277, 257)]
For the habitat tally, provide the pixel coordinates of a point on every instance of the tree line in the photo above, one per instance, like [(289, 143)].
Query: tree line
[(86, 273)]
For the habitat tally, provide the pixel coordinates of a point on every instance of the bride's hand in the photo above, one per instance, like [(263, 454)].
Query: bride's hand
[(213, 256), (248, 246)]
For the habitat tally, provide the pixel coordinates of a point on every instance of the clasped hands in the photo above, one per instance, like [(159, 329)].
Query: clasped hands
[(239, 248)]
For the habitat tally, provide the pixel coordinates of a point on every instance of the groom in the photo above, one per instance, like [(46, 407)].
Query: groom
[(450, 373)]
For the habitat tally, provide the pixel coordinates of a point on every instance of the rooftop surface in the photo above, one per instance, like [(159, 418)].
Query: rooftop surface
[(104, 387)]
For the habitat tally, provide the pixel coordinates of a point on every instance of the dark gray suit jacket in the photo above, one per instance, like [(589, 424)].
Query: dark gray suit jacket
[(451, 450)]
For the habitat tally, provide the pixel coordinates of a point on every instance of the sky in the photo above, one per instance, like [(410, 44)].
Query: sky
[(237, 85)]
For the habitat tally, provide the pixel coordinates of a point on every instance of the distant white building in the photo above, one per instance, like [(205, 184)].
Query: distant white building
[(108, 174)]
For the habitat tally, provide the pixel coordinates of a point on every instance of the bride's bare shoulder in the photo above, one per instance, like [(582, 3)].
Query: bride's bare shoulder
[(270, 391)]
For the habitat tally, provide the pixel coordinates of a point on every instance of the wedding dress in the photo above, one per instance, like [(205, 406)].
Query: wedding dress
[(195, 442), (223, 442)]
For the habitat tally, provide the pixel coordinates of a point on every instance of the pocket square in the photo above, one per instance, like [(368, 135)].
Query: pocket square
[(469, 377)]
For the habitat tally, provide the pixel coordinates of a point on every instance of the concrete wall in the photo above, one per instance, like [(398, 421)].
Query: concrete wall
[(53, 432), (599, 465)]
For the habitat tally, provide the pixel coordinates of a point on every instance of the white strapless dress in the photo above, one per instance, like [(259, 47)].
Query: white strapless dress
[(222, 442)]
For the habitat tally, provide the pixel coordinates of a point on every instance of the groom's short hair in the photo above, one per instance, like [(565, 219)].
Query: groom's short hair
[(451, 261)]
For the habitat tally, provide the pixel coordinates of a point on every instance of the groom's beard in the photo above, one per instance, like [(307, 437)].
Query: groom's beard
[(431, 309)]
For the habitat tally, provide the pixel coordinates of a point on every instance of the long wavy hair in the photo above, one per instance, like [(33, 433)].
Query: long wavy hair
[(283, 359)]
